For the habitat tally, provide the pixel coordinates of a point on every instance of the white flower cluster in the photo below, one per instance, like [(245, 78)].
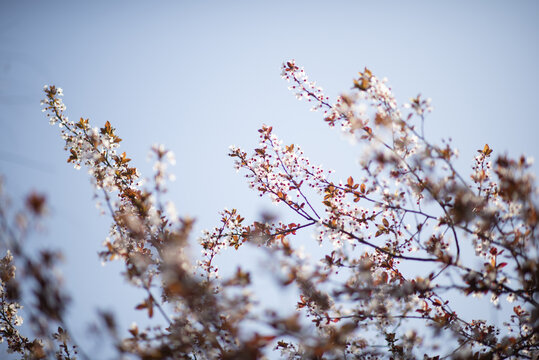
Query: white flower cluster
[(136, 216), (380, 93), (303, 88), (163, 158), (9, 316), (229, 234), (95, 148), (420, 106), (279, 170)]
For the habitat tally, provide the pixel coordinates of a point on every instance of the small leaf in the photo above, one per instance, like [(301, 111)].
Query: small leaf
[(107, 129)]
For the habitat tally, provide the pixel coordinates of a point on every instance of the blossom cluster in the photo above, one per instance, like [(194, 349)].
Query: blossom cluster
[(396, 247), (96, 148), (302, 87), (411, 206), (10, 320), (152, 240)]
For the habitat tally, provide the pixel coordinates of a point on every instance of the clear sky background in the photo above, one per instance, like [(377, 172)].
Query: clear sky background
[(199, 76)]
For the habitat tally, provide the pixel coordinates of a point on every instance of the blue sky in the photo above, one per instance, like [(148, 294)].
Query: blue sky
[(199, 76)]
